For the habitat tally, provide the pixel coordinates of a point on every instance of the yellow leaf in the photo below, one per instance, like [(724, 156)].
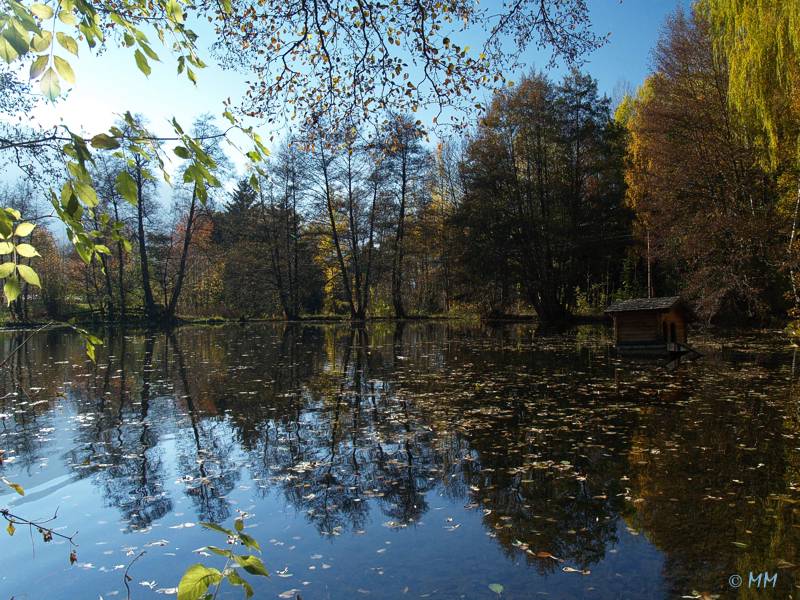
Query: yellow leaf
[(64, 69), (29, 275), (24, 229), (26, 250)]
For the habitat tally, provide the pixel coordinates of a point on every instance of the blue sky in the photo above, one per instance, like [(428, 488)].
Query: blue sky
[(110, 83)]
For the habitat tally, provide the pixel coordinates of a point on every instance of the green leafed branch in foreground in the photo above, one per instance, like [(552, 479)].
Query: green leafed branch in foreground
[(199, 579)]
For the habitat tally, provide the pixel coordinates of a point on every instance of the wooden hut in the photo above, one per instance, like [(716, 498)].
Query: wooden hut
[(650, 325)]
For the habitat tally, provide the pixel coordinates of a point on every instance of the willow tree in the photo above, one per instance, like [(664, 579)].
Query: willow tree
[(760, 41), (705, 206)]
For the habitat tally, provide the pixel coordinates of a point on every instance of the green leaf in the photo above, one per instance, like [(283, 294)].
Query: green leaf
[(17, 41), (67, 17), (84, 251), (7, 52), (11, 289), (38, 66), (24, 19), (67, 42), (234, 578), (251, 564), (215, 527), (6, 248), (6, 269), (196, 580), (90, 351), (220, 551), (86, 193), (49, 84), (10, 529), (182, 152), (24, 229), (249, 542), (29, 275), (26, 250), (148, 51), (174, 11), (42, 11), (64, 69), (141, 62), (5, 225), (104, 142), (238, 524), (496, 588), (126, 187), (41, 41)]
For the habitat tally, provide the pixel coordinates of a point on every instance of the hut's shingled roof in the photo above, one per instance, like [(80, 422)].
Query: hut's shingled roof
[(636, 304)]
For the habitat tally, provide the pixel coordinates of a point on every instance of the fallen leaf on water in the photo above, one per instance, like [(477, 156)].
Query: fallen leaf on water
[(544, 555)]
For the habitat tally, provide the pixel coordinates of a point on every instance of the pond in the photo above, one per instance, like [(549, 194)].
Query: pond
[(413, 460)]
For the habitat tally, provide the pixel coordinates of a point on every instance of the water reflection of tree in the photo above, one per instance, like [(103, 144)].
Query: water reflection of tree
[(205, 456), (354, 443), (28, 390), (355, 429), (721, 499), (122, 452), (549, 492)]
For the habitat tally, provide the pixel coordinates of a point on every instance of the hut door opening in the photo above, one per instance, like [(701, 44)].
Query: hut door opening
[(672, 333), (666, 333)]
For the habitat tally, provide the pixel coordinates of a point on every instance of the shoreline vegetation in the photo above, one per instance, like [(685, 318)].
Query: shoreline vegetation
[(594, 318)]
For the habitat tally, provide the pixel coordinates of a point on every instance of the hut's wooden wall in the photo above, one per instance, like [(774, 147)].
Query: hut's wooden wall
[(675, 316), (637, 327), (648, 327)]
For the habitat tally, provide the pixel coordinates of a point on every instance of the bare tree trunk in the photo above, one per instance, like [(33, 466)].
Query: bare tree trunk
[(354, 242), (149, 302), (187, 240), (336, 242), (370, 245), (397, 266), (649, 268), (789, 251)]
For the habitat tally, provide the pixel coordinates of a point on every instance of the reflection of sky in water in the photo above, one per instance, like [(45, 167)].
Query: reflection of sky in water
[(426, 463)]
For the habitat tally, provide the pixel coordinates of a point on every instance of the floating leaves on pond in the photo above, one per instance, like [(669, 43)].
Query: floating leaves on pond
[(540, 456), (496, 588)]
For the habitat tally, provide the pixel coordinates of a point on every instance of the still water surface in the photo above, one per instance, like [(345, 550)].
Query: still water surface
[(403, 461)]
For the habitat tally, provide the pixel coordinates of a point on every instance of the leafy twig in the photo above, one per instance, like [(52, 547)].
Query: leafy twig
[(47, 532)]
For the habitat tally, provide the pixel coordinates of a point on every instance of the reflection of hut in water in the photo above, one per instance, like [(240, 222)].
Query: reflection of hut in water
[(650, 325)]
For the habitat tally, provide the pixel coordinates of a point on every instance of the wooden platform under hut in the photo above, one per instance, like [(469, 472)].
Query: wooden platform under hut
[(651, 326)]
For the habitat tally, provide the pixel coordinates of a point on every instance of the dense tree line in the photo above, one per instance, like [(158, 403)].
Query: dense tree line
[(714, 217), (555, 202), (525, 213)]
